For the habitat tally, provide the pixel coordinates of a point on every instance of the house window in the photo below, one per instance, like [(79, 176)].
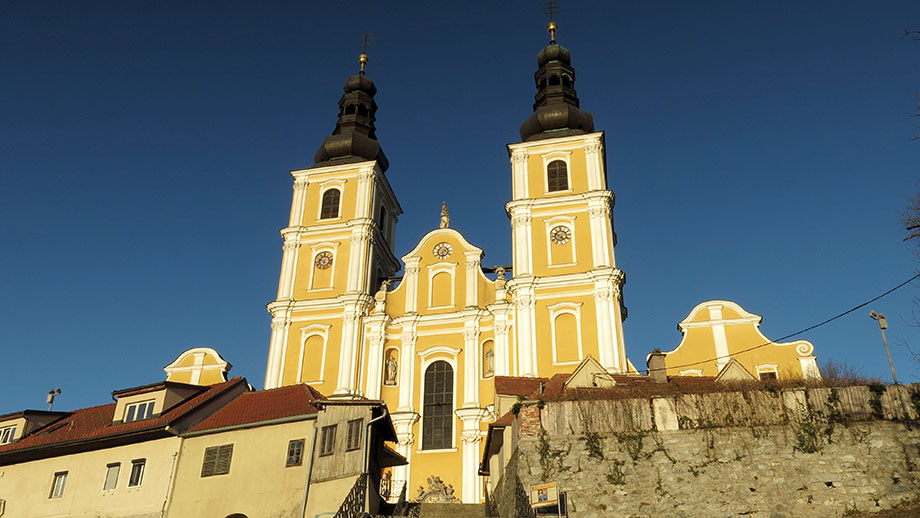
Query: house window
[(353, 439), (57, 485), (111, 476), (330, 206), (327, 446), (767, 376), (295, 453), (557, 178), (7, 434), (137, 472), (216, 460), (138, 411), (437, 418)]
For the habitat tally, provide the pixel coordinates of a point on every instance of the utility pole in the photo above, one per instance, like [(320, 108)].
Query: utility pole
[(883, 325)]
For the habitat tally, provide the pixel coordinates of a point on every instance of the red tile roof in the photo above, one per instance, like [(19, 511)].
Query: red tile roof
[(96, 422), (517, 386), (255, 407)]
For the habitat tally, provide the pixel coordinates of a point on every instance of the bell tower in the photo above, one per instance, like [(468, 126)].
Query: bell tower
[(338, 246), (566, 291)]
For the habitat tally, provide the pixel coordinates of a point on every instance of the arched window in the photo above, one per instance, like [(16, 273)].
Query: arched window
[(557, 178), (437, 415), (330, 208), (553, 80), (383, 221), (349, 109)]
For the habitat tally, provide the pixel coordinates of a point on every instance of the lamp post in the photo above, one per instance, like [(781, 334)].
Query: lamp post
[(883, 325)]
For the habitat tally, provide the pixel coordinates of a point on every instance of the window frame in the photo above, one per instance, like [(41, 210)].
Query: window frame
[(7, 434), (212, 467), (552, 184), (354, 434), (139, 479), (295, 456), (132, 409), (108, 470), (447, 441), (58, 491), (323, 206), (327, 442)]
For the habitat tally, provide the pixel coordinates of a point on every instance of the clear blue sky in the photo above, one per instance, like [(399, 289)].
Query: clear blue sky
[(759, 152)]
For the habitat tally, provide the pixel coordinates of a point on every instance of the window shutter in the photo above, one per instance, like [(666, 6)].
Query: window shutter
[(210, 458), (222, 464)]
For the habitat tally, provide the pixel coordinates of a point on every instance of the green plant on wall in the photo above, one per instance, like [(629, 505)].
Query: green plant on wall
[(593, 445), (807, 439)]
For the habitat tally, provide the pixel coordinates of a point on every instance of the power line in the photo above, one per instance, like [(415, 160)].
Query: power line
[(828, 321)]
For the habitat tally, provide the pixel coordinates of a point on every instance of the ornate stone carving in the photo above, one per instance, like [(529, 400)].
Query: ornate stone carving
[(366, 175), (291, 246), (593, 147), (436, 492), (520, 220), (599, 212), (445, 216), (300, 184), (605, 293), (502, 328), (380, 298), (472, 265), (412, 270), (519, 157), (280, 324), (470, 333)]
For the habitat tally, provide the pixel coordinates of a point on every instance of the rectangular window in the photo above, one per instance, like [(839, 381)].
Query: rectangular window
[(7, 434), (295, 453), (327, 446), (353, 439), (57, 485), (111, 476), (138, 411), (137, 472), (767, 376), (217, 460)]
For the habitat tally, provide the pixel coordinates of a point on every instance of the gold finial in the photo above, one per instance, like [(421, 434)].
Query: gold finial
[(365, 42), (550, 9)]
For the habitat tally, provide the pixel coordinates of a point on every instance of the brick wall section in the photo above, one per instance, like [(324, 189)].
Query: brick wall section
[(529, 421)]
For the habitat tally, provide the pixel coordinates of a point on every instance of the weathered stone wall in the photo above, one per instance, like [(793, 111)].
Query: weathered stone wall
[(815, 452)]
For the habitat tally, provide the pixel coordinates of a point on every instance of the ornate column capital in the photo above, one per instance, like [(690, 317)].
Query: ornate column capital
[(300, 184), (519, 156), (412, 270)]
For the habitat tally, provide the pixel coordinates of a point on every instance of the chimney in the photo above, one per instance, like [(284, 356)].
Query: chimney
[(656, 366)]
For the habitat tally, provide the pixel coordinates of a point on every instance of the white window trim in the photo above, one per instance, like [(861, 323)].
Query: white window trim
[(106, 477), (429, 356), (325, 186), (135, 462), (571, 308), (12, 434), (62, 475), (317, 248), (566, 221), (129, 406), (565, 156), (450, 269), (767, 367), (691, 372), (305, 333)]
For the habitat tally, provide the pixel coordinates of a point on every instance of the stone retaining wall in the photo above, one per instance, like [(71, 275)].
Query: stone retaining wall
[(815, 452)]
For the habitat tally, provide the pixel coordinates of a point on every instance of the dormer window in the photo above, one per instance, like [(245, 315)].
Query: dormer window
[(557, 178), (7, 434), (330, 205), (138, 411)]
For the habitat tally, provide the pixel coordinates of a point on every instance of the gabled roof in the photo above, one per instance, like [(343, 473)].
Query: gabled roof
[(265, 405), (92, 427)]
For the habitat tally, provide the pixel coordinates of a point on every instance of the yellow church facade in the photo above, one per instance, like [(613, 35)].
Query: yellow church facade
[(430, 342)]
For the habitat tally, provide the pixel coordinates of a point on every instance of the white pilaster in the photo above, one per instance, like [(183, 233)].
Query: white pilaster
[(411, 280), (718, 335), (471, 437), (297, 205), (365, 191), (472, 278), (471, 366), (522, 256), (277, 349), (375, 336), (288, 265), (407, 367), (348, 354), (594, 163), (502, 356), (525, 323), (403, 422), (601, 239), (519, 175)]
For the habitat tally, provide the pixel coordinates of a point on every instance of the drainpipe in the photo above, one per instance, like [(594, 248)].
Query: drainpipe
[(170, 485), (367, 459), (306, 487)]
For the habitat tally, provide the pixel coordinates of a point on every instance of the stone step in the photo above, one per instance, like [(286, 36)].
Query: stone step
[(433, 510)]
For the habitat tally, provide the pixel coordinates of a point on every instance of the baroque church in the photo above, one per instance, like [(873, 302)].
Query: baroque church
[(431, 342)]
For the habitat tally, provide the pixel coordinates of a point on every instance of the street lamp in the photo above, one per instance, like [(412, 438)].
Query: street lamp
[(883, 325)]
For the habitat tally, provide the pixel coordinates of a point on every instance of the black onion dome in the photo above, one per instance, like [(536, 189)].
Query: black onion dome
[(556, 112), (354, 138)]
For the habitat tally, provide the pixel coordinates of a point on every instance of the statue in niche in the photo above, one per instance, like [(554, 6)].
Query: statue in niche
[(445, 216), (392, 369), (488, 360)]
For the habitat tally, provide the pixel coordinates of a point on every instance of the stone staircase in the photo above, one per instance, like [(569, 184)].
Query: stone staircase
[(433, 510)]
